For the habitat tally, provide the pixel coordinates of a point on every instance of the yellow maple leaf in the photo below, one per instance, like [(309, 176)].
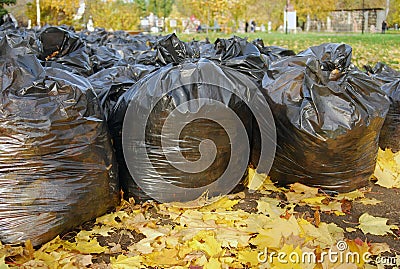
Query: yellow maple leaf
[(212, 263), (221, 204), (248, 257), (387, 170), (266, 239), (299, 192), (109, 219), (206, 242), (232, 238), (369, 201), (374, 225), (124, 262), (88, 247), (3, 264), (350, 195), (256, 181), (289, 258), (269, 206), (165, 257)]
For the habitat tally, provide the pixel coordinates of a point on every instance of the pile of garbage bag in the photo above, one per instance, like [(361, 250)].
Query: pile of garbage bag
[(83, 114)]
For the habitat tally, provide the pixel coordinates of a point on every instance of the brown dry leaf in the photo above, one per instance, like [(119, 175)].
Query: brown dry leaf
[(379, 248), (317, 218), (299, 192)]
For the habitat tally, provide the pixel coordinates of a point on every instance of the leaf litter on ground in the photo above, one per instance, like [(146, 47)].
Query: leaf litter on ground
[(219, 232)]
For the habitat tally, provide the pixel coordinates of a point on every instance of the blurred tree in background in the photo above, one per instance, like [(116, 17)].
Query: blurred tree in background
[(3, 11), (116, 15), (158, 7), (394, 14), (54, 12), (228, 14)]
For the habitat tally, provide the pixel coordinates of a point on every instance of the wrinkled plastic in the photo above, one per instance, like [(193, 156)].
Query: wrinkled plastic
[(103, 57), (23, 41), (328, 116), (62, 48), (272, 53), (57, 166), (188, 81), (389, 79), (241, 55), (109, 84)]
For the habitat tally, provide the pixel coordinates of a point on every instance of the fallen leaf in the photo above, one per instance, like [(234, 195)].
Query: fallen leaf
[(379, 248), (213, 263), (248, 257), (206, 242), (221, 204), (357, 194), (166, 257), (374, 225), (255, 181), (350, 229), (3, 264), (317, 218), (89, 247), (124, 262), (369, 201), (387, 170)]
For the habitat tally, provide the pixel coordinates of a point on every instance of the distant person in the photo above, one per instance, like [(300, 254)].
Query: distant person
[(246, 28), (384, 26), (253, 26), (198, 28)]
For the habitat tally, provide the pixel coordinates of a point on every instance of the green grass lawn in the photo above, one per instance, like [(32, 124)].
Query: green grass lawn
[(367, 49)]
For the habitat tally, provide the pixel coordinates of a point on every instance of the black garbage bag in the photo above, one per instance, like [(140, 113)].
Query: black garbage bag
[(62, 48), (202, 49), (133, 49), (57, 166), (273, 53), (328, 116), (103, 57), (109, 84), (241, 55), (163, 125), (160, 52), (96, 38), (389, 79), (23, 41)]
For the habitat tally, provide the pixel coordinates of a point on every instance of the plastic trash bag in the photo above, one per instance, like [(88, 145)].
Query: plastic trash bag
[(23, 41), (389, 79), (328, 116), (109, 84), (57, 166), (176, 94), (64, 49), (273, 53), (241, 55)]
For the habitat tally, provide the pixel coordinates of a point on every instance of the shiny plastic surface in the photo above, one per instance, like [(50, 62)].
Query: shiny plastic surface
[(389, 79), (57, 166), (328, 116)]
